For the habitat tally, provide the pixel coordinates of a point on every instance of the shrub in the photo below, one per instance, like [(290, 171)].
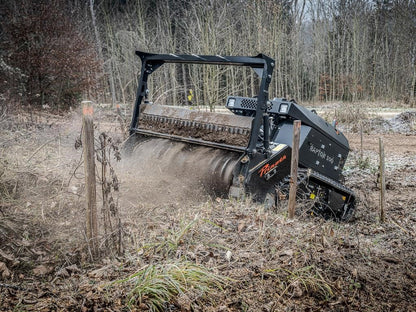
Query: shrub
[(45, 58)]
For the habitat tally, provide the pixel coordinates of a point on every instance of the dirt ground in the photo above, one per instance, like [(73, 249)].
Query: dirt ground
[(268, 262)]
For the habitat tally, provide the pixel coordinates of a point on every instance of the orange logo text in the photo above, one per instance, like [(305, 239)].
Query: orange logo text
[(268, 167)]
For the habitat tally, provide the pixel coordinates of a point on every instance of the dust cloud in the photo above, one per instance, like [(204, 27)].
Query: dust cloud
[(156, 172)]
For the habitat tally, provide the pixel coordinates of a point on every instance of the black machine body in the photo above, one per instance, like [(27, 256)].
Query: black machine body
[(262, 167)]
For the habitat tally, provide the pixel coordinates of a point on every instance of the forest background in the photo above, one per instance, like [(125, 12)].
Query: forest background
[(343, 56), (54, 53)]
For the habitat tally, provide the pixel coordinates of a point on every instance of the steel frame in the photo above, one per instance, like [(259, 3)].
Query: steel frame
[(261, 64)]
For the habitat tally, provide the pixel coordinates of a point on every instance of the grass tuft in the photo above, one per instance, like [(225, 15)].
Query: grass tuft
[(157, 285), (308, 280), (169, 245)]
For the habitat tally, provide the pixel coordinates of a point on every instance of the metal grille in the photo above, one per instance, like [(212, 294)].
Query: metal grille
[(249, 103), (252, 104)]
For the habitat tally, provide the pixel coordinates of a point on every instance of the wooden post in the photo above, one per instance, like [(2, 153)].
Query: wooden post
[(361, 140), (382, 181), (89, 169), (294, 169)]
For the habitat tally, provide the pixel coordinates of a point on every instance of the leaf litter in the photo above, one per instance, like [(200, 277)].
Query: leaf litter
[(268, 263)]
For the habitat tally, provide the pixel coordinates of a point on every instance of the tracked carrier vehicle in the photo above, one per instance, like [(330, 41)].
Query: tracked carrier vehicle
[(249, 148)]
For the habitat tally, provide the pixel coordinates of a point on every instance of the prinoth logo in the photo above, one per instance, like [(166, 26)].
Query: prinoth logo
[(269, 167)]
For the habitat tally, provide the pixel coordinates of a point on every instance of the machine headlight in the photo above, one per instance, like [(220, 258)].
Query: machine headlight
[(283, 108), (231, 102)]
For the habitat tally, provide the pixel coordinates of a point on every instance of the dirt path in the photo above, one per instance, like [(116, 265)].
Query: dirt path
[(394, 144)]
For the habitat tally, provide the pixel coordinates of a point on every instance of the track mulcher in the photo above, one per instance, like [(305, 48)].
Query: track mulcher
[(246, 151)]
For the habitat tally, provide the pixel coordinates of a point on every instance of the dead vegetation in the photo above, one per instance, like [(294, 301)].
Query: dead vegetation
[(198, 254)]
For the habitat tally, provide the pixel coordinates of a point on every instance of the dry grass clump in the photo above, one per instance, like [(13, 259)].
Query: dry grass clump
[(156, 285), (303, 280), (8, 185), (351, 113), (170, 243)]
